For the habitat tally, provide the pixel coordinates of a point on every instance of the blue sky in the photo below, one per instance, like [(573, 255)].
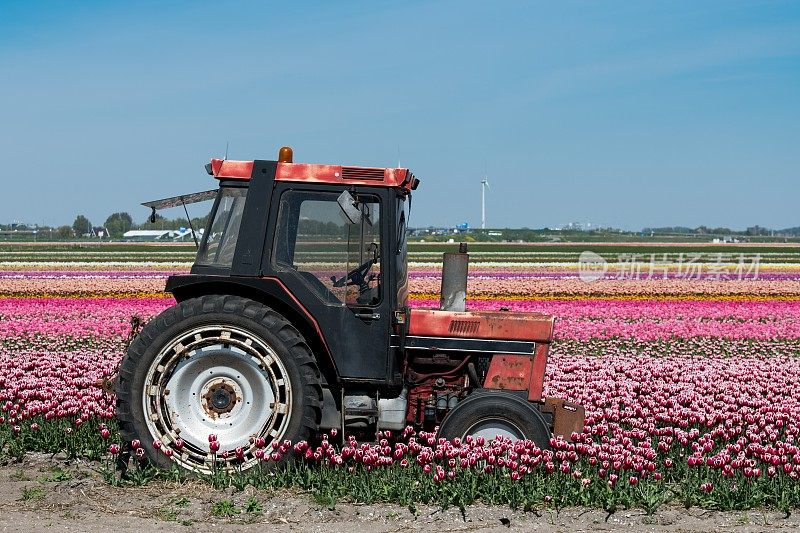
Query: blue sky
[(627, 114)]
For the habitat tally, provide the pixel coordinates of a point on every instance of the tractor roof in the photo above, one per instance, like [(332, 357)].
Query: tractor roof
[(400, 178)]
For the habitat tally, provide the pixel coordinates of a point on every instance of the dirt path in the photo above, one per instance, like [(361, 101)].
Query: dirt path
[(42, 495)]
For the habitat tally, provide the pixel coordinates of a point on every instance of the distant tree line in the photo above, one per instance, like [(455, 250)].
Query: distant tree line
[(707, 230), (117, 224)]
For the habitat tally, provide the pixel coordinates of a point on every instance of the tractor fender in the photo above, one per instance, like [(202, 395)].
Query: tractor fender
[(268, 291)]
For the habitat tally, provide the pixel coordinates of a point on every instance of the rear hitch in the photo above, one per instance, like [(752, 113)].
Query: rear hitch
[(568, 417)]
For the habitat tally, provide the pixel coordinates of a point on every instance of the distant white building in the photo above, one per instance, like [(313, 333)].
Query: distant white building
[(97, 231), (160, 234), (725, 240), (147, 234)]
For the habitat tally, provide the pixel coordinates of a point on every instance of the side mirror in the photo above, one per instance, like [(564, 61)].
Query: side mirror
[(350, 208)]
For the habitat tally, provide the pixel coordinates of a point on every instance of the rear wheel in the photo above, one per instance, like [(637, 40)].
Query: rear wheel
[(489, 414), (220, 365)]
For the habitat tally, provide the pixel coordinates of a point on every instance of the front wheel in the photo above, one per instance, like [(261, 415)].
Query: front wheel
[(217, 365), (489, 414)]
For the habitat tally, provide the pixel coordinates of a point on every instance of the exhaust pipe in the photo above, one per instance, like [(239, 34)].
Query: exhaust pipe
[(454, 280)]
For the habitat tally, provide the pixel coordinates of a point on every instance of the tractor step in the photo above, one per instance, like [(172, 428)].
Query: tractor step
[(360, 410), (360, 405)]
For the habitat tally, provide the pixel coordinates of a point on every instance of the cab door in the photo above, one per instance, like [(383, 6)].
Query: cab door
[(337, 269)]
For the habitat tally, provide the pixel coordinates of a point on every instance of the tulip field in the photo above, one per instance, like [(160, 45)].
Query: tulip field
[(690, 378)]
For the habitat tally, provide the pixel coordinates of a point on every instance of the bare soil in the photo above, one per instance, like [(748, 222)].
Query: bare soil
[(44, 494)]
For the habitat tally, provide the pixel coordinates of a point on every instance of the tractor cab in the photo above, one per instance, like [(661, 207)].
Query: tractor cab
[(325, 243), (294, 319)]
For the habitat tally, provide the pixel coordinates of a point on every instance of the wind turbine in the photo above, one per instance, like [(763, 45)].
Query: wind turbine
[(484, 186)]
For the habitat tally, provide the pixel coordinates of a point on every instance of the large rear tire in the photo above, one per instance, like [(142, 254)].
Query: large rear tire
[(491, 413), (221, 365)]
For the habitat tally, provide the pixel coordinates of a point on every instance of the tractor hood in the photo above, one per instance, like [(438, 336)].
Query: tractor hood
[(494, 325)]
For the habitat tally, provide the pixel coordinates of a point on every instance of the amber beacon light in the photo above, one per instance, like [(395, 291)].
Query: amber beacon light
[(285, 155)]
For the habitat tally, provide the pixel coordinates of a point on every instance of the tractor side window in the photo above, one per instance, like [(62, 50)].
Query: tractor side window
[(327, 251), (219, 240)]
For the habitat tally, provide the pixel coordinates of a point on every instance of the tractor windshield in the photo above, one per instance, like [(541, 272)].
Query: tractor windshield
[(219, 239)]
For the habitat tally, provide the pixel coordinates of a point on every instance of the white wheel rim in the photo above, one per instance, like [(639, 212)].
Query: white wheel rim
[(489, 428), (216, 379)]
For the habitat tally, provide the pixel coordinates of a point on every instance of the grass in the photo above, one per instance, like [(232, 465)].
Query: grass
[(33, 494), (224, 509), (92, 245), (605, 248), (181, 502), (253, 506), (57, 475), (167, 514), (171, 511), (20, 475)]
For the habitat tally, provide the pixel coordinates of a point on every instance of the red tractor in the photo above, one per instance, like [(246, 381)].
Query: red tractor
[(294, 320)]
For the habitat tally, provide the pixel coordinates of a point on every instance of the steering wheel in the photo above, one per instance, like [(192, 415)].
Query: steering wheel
[(359, 275)]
